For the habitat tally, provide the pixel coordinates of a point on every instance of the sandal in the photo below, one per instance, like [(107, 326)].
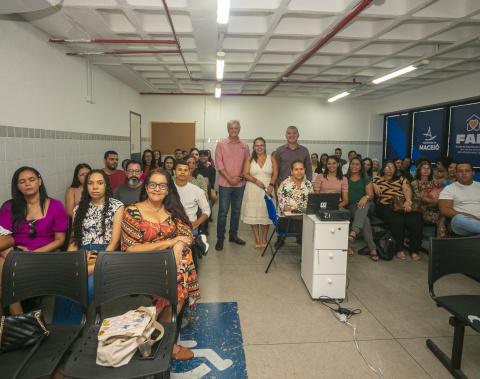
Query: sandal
[(258, 246), (350, 253), (351, 237), (401, 256), (374, 257), (415, 257), (263, 246)]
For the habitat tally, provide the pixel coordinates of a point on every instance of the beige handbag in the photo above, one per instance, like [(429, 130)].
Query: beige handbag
[(119, 347)]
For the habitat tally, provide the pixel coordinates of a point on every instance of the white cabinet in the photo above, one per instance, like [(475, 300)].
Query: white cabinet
[(324, 257)]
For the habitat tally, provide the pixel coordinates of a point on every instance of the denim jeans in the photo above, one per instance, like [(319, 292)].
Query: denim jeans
[(465, 226), (227, 196)]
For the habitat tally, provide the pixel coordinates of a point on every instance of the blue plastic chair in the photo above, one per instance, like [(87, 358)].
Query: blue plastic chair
[(272, 215)]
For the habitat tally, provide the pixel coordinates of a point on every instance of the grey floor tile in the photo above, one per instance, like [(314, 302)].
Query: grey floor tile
[(417, 348), (331, 360)]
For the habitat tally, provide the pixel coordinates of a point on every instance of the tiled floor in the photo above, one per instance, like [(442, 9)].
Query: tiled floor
[(286, 334)]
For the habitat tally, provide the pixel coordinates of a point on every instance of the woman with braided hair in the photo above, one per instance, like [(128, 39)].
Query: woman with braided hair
[(97, 225)]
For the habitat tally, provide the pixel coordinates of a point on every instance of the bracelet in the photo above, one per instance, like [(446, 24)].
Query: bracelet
[(271, 184)]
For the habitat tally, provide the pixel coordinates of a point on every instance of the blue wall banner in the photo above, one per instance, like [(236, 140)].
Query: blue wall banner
[(427, 134), (396, 136), (213, 333), (464, 138)]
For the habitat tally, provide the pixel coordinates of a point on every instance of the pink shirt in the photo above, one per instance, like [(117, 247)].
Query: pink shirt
[(231, 156), (330, 185)]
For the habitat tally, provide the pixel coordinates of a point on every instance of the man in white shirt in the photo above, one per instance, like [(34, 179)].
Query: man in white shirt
[(460, 201), (191, 196)]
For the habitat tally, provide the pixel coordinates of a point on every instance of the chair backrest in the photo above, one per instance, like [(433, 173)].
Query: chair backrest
[(272, 211), (453, 256), (28, 274), (120, 274)]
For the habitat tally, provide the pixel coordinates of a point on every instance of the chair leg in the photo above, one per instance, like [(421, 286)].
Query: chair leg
[(268, 243), (284, 237), (457, 348), (452, 365)]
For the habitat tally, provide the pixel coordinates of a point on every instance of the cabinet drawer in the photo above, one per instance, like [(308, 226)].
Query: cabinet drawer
[(331, 236), (330, 262), (329, 285)]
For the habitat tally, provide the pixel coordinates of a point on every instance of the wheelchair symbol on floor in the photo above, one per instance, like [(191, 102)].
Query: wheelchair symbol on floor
[(211, 356)]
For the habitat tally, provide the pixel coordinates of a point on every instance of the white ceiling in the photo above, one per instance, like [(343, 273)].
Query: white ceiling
[(264, 39)]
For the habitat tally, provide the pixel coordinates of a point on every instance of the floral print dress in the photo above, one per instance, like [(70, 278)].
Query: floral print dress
[(137, 230)]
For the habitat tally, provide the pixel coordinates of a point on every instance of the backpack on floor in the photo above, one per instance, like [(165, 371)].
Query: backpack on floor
[(385, 245)]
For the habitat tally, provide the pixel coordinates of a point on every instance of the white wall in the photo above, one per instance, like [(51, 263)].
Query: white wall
[(463, 88), (43, 90), (348, 124)]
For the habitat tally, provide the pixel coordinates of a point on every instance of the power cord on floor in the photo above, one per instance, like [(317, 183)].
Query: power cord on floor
[(343, 314)]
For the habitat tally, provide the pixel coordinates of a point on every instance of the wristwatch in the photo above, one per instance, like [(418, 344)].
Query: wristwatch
[(410, 201), (368, 197)]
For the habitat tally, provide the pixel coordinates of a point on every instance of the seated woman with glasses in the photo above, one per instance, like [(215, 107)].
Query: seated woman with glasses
[(74, 193), (387, 185), (426, 190), (36, 221), (159, 222), (97, 225)]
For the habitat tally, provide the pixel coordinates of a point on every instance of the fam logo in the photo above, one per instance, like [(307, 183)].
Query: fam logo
[(473, 124)]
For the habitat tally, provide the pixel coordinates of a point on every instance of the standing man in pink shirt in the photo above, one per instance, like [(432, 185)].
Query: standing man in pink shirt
[(230, 155)]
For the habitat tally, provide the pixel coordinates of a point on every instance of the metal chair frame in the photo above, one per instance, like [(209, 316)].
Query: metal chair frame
[(29, 274), (272, 215), (118, 274), (455, 256)]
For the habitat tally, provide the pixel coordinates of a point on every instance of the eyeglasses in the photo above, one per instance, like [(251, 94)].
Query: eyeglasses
[(425, 168), (134, 171), (33, 228), (153, 185), (389, 168)]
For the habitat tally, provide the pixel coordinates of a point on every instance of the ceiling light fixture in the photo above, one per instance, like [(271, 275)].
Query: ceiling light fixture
[(218, 91), (394, 74), (343, 94), (223, 9), (220, 64)]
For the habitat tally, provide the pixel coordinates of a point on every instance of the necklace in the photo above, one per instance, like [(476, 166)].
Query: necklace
[(152, 208)]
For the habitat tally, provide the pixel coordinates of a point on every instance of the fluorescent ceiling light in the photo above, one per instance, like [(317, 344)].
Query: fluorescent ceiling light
[(218, 91), (343, 94), (220, 64), (394, 74), (223, 9)]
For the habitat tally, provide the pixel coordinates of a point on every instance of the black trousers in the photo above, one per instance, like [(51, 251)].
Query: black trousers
[(398, 222), (295, 226)]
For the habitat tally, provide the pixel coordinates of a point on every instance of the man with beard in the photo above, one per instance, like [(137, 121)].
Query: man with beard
[(116, 177), (129, 192)]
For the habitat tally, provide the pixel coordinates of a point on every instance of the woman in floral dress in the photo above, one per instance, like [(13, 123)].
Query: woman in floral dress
[(159, 222)]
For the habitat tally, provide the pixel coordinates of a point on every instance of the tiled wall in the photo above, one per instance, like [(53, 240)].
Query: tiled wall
[(54, 154)]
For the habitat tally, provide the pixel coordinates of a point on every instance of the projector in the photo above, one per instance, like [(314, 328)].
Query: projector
[(338, 215)]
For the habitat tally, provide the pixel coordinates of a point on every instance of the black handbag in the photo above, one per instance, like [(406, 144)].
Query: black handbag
[(22, 330)]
